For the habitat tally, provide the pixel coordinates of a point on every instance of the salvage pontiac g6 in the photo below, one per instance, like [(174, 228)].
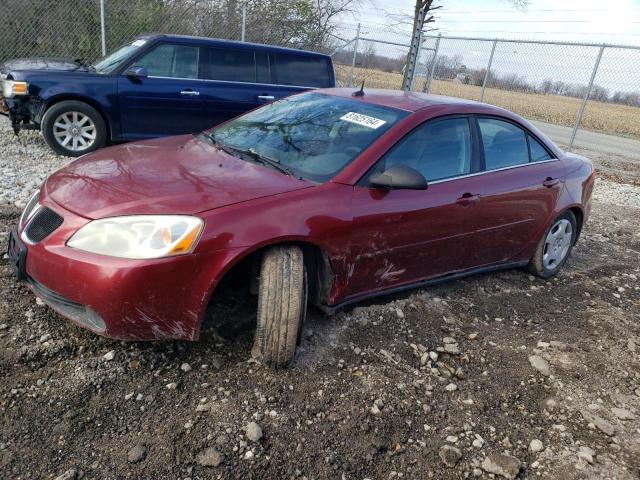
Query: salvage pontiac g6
[(332, 197)]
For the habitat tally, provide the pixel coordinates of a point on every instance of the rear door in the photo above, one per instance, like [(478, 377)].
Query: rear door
[(168, 101), (517, 192)]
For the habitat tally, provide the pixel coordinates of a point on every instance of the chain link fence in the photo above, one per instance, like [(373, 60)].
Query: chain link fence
[(593, 86), (570, 84)]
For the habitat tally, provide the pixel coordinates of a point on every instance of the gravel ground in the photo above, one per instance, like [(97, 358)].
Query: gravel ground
[(497, 375)]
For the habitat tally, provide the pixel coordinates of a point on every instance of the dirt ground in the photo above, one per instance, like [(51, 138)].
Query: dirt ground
[(376, 391)]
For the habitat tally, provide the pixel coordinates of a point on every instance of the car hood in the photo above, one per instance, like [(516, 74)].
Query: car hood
[(42, 63), (173, 175)]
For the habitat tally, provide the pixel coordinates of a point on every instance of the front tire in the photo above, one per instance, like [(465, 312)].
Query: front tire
[(73, 128), (555, 246), (282, 305)]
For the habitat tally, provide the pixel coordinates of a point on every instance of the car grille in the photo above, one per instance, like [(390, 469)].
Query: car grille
[(43, 223)]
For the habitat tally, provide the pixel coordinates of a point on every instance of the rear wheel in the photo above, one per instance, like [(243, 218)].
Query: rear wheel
[(73, 128), (555, 246), (282, 305)]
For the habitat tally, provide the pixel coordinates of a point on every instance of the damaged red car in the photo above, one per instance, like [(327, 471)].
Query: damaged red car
[(331, 197)]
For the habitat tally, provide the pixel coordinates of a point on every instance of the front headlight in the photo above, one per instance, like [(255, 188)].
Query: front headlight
[(12, 88), (139, 236)]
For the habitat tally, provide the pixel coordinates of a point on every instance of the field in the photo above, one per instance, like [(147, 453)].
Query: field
[(600, 117)]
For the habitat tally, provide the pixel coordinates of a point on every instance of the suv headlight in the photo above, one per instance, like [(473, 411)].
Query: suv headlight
[(12, 88), (139, 236)]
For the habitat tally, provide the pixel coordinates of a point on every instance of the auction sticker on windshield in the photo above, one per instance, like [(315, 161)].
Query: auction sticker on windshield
[(364, 120)]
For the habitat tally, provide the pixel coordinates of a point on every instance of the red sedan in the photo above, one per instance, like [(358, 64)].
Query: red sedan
[(327, 197)]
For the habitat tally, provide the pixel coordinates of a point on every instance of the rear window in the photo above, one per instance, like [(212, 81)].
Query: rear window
[(228, 65), (301, 70)]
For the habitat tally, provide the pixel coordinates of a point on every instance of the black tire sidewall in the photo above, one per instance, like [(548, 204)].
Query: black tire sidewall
[(76, 106)]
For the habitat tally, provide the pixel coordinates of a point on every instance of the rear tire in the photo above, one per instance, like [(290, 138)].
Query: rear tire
[(73, 128), (282, 305), (555, 246)]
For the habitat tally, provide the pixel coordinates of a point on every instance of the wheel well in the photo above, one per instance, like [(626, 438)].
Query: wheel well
[(319, 272), (577, 212), (88, 101)]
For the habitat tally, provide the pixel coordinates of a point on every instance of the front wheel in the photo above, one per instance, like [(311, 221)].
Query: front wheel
[(282, 305), (73, 128), (554, 247)]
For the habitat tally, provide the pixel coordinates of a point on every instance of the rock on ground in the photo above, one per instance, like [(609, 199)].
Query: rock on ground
[(540, 364), (254, 432), (209, 457), (137, 453), (501, 464), (449, 455)]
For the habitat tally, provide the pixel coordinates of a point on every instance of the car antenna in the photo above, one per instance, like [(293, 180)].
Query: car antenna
[(359, 93)]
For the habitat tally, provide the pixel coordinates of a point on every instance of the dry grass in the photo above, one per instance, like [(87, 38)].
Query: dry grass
[(600, 117)]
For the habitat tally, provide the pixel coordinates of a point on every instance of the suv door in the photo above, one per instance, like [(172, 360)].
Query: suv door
[(404, 236), (518, 191), (167, 101)]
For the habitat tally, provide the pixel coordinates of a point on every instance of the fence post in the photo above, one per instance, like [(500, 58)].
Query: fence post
[(586, 97), (102, 29), (427, 85), (353, 60), (244, 22), (486, 74)]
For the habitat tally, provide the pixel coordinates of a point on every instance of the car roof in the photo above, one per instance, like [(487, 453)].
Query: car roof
[(229, 43), (411, 101)]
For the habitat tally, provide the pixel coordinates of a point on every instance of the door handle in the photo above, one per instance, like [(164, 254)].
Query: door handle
[(467, 199), (266, 98), (193, 93), (550, 182)]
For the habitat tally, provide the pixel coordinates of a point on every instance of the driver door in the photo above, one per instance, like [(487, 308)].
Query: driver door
[(169, 100), (406, 236)]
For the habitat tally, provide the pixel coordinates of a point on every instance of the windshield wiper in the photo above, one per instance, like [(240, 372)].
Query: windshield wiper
[(255, 156)]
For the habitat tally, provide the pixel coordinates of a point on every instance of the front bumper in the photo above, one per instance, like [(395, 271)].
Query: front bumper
[(120, 298)]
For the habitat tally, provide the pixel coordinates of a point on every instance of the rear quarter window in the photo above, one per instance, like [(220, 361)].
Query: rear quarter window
[(302, 70)]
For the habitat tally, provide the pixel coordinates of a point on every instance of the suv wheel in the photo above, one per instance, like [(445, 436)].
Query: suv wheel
[(555, 246), (282, 305), (73, 128)]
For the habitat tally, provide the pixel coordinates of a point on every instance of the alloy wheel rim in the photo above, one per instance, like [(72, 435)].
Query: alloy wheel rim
[(74, 131), (557, 244)]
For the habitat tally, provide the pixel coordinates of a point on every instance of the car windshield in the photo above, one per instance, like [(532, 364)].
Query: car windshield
[(312, 135), (111, 62)]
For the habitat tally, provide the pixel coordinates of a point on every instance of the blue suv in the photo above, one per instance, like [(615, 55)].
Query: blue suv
[(154, 86)]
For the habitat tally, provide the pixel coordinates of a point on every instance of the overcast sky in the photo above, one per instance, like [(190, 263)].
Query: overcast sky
[(613, 21)]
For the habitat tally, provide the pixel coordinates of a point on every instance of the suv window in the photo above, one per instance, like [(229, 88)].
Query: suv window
[(232, 65), (174, 61), (437, 149), (301, 70), (505, 144), (538, 152)]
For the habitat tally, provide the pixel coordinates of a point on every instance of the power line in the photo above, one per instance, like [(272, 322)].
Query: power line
[(522, 21), (553, 33), (533, 10)]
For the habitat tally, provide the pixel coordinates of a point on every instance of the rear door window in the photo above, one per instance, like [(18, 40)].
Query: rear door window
[(228, 64), (301, 70), (172, 61), (505, 145)]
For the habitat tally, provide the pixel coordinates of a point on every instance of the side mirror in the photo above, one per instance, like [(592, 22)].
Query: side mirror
[(399, 177), (136, 72)]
